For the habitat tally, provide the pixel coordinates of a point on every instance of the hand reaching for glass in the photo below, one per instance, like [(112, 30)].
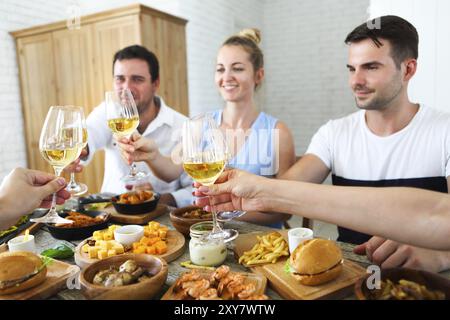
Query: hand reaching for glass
[(138, 148), (36, 185), (233, 190), (76, 166)]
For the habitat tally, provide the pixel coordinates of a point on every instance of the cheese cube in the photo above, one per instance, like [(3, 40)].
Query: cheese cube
[(111, 252), (108, 235), (85, 248), (102, 254), (93, 252), (118, 248)]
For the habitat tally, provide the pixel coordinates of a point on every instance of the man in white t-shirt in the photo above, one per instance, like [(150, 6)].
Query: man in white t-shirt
[(389, 142), (137, 69)]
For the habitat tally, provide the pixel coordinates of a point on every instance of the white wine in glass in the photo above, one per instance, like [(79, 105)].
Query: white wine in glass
[(60, 144), (76, 188), (204, 156), (123, 119)]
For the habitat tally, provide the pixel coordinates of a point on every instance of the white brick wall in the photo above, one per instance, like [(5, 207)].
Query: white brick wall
[(302, 41), (306, 77), (16, 15)]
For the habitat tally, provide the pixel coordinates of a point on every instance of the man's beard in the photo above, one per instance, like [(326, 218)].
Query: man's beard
[(380, 102), (143, 106)]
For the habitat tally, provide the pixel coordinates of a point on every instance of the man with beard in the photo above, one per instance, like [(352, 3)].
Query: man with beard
[(389, 142), (137, 69)]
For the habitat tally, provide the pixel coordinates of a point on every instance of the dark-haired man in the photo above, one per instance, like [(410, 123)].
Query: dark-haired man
[(137, 69), (389, 142)]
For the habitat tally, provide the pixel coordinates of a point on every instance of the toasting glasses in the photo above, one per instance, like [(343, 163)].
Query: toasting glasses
[(60, 143), (204, 158), (123, 119), (76, 188)]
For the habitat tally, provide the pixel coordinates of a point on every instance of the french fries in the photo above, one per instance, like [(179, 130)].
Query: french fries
[(269, 249)]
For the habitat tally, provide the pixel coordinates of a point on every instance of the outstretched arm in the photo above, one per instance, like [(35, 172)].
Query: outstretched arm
[(408, 215)]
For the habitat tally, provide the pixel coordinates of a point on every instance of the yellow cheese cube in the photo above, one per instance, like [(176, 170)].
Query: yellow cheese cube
[(85, 248), (111, 252), (93, 252), (119, 249), (102, 254), (108, 235)]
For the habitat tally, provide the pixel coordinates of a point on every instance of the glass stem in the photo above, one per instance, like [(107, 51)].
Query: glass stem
[(216, 226), (133, 169), (72, 183), (53, 207)]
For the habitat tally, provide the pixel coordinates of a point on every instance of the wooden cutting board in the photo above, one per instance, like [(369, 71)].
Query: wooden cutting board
[(136, 218), (175, 248), (288, 287), (57, 274)]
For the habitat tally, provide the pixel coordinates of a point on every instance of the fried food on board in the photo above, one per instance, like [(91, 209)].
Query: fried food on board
[(269, 249)]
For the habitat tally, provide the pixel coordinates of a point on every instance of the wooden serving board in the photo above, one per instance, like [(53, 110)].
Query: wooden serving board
[(175, 248), (288, 287), (136, 218), (57, 274), (258, 280)]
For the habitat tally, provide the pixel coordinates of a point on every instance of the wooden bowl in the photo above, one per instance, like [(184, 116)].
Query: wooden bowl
[(432, 281), (183, 224), (138, 291)]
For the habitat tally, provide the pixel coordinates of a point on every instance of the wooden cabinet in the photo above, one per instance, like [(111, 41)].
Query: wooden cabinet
[(58, 66)]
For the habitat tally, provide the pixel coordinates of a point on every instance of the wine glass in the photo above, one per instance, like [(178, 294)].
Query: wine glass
[(76, 188), (123, 119), (60, 144), (204, 156)]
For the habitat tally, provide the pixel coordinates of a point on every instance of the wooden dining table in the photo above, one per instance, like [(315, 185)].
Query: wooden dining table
[(45, 240)]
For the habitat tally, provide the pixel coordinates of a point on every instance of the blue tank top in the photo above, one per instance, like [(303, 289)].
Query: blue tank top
[(257, 155)]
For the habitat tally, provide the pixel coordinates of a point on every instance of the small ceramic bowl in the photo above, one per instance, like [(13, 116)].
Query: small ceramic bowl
[(129, 234)]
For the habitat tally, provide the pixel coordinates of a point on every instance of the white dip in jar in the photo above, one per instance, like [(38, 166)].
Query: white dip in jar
[(206, 253)]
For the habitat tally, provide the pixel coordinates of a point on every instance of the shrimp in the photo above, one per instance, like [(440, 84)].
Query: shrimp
[(209, 294), (190, 276), (198, 288), (247, 291), (220, 273), (257, 297)]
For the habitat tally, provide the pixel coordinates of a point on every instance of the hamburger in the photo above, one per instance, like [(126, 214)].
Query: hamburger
[(20, 271), (315, 261)]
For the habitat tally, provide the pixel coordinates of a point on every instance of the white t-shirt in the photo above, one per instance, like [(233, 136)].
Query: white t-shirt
[(164, 130), (350, 150), (416, 156)]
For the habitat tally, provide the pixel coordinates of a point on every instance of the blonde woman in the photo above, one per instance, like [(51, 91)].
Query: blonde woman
[(253, 137)]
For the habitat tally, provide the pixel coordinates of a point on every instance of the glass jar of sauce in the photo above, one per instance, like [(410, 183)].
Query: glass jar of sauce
[(212, 252)]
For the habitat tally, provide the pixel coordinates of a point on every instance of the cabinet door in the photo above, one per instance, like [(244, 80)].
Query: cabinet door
[(168, 41), (111, 36), (76, 84), (37, 80)]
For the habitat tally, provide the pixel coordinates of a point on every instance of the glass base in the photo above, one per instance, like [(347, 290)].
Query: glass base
[(77, 189), (131, 181), (227, 235), (229, 215), (51, 218)]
